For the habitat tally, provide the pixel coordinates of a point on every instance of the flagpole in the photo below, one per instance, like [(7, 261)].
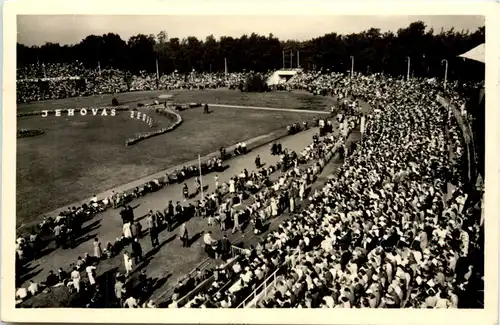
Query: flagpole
[(157, 71), (201, 178)]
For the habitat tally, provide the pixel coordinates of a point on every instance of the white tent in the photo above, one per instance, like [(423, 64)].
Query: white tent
[(476, 54)]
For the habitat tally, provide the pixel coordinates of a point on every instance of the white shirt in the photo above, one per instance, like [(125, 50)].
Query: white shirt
[(33, 288), (207, 239), (131, 302), (75, 275), (21, 293), (246, 276)]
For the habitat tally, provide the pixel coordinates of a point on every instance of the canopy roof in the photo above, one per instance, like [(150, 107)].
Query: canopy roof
[(476, 54)]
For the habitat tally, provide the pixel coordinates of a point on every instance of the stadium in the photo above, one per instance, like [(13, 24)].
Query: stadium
[(291, 177)]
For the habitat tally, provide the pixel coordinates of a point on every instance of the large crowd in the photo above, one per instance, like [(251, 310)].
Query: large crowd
[(37, 82), (385, 232), (382, 234)]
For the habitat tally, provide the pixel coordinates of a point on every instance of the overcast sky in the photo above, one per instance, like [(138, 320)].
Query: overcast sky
[(71, 29)]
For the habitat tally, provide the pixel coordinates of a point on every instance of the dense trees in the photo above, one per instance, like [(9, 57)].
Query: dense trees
[(372, 50)]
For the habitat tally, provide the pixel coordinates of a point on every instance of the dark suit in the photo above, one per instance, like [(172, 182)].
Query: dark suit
[(137, 251), (123, 215), (225, 248)]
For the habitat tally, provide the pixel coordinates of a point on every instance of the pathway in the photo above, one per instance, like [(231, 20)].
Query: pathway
[(273, 109)]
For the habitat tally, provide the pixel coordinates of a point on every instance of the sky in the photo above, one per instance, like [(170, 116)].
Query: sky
[(71, 29)]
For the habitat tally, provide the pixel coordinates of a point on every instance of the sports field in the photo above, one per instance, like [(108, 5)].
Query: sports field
[(79, 156), (282, 99)]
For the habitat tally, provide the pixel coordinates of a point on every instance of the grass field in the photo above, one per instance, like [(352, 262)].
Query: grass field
[(294, 99), (79, 156)]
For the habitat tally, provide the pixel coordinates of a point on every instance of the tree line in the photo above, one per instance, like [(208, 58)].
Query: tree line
[(372, 50)]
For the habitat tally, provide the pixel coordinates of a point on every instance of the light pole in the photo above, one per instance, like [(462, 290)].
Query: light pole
[(445, 72), (352, 66), (408, 69)]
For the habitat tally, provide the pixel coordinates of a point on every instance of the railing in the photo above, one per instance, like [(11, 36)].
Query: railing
[(205, 284), (270, 282), (235, 251), (168, 293)]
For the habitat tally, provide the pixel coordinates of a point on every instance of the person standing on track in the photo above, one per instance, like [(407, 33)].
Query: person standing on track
[(153, 229), (236, 219), (128, 262), (197, 183), (184, 235), (136, 251), (185, 192), (216, 177), (179, 212), (257, 162), (169, 215), (97, 249)]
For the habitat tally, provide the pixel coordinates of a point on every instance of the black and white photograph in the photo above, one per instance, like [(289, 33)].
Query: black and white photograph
[(249, 162)]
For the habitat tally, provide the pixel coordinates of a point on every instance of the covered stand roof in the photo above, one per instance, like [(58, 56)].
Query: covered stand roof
[(476, 54)]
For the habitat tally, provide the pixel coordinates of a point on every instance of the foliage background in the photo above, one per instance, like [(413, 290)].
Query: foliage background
[(373, 51)]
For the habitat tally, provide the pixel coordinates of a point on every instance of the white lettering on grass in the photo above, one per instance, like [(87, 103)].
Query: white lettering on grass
[(113, 112), (83, 111), (45, 113), (58, 112), (94, 111), (71, 112), (104, 112)]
